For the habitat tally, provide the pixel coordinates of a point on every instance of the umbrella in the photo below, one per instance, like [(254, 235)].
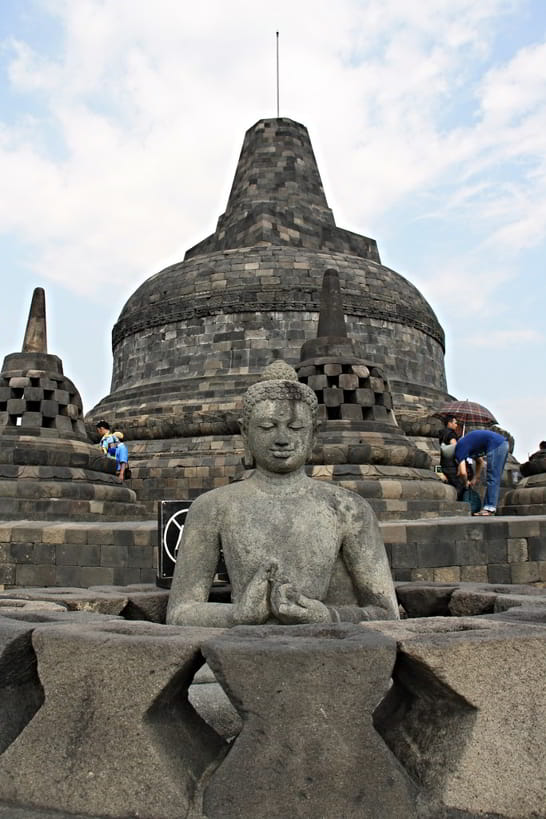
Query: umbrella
[(469, 412)]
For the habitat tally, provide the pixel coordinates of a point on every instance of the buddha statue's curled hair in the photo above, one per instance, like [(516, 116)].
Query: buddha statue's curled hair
[(279, 382)]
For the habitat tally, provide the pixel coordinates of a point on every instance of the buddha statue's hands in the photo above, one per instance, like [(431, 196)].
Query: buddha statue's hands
[(291, 607), (253, 607)]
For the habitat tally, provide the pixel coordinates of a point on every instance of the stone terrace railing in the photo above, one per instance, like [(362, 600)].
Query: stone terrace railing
[(96, 716)]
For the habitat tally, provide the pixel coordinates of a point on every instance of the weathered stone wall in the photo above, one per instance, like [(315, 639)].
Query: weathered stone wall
[(418, 736), (480, 550), (487, 550), (71, 554), (240, 309)]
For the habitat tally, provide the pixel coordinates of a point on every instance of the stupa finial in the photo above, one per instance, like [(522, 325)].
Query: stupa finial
[(35, 340), (331, 318)]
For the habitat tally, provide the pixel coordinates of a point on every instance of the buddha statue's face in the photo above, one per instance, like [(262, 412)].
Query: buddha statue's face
[(280, 435)]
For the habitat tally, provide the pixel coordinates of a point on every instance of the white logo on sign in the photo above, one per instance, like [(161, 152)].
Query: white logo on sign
[(175, 522)]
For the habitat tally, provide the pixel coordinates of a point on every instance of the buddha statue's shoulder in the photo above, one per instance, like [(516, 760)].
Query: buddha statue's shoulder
[(343, 499)]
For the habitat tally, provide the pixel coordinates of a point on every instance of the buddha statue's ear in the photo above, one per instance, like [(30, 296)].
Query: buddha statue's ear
[(312, 443), (248, 457)]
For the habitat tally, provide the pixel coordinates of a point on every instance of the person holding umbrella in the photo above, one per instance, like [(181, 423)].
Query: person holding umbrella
[(447, 439), (476, 445)]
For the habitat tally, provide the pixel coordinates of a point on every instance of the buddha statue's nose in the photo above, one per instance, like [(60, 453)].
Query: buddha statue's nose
[(281, 439)]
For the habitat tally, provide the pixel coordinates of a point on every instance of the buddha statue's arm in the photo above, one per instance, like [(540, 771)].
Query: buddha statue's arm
[(364, 556), (194, 572)]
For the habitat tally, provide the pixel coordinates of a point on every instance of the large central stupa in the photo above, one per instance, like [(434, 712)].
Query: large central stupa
[(195, 335)]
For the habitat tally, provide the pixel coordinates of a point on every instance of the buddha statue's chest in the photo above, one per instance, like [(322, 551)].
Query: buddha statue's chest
[(302, 536)]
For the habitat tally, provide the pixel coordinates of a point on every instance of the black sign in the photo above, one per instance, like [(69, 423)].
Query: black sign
[(171, 519)]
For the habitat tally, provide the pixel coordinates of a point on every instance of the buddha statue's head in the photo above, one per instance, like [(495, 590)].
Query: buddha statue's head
[(279, 421)]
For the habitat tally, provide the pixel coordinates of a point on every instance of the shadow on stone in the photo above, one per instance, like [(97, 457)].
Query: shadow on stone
[(423, 722), (21, 693)]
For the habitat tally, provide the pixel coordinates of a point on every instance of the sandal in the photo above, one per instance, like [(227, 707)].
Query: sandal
[(485, 513)]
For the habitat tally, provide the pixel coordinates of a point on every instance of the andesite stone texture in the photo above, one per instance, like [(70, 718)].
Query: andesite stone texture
[(49, 470), (360, 445), (296, 550), (191, 339), (302, 751), (96, 719), (115, 735), (458, 714)]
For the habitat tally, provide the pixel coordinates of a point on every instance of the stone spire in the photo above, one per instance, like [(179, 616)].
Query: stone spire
[(331, 318), (277, 198), (35, 340), (50, 470), (332, 336)]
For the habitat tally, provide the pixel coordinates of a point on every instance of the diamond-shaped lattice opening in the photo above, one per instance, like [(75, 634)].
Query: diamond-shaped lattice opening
[(22, 691), (424, 722), (183, 731), (211, 702)]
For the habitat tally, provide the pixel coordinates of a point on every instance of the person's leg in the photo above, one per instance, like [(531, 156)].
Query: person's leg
[(496, 460)]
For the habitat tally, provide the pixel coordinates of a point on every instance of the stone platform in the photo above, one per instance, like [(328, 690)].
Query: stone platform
[(433, 695), (483, 550)]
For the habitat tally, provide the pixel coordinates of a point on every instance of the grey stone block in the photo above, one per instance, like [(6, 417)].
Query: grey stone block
[(114, 556), (467, 603), (22, 552), (49, 408), (120, 683), (126, 575), (471, 553), (467, 715), (301, 752), (496, 550), (75, 599), (44, 553), (402, 555), (499, 573), (35, 575), (437, 553), (537, 548)]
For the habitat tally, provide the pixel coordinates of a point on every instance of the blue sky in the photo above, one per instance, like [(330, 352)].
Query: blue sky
[(121, 123)]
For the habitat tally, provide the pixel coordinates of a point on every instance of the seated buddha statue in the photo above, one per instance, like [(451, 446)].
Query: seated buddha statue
[(297, 550)]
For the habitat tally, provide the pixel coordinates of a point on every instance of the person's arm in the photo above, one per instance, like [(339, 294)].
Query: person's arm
[(194, 572), (365, 558), (461, 471), (478, 472)]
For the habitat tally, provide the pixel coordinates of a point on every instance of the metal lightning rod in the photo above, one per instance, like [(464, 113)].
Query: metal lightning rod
[(277, 38)]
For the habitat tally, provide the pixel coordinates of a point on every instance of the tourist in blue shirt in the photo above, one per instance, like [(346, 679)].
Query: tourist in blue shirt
[(475, 445), (122, 458), (112, 446)]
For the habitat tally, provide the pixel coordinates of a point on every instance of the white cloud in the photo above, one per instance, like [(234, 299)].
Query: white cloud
[(500, 339)]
